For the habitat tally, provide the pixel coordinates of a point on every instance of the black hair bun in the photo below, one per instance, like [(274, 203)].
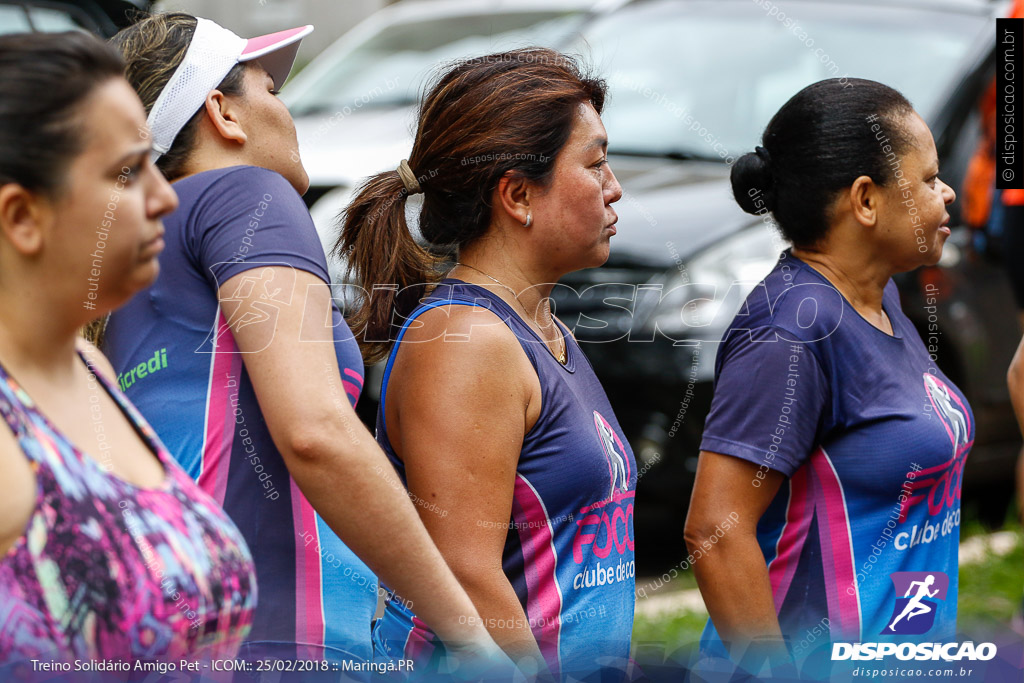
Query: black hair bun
[(753, 182)]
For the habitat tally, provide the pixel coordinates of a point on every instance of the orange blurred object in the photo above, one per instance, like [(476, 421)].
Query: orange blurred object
[(979, 181)]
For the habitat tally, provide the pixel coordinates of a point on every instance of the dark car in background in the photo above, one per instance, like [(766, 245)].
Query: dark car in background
[(102, 17), (355, 104), (692, 86)]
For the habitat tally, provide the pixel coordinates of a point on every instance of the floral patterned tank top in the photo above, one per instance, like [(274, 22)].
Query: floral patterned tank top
[(105, 569)]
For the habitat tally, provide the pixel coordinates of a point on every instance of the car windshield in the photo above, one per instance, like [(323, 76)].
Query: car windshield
[(405, 54), (684, 78), (16, 19), (13, 19), (51, 19)]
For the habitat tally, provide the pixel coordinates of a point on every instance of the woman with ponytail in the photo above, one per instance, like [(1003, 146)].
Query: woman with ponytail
[(489, 410), (832, 433)]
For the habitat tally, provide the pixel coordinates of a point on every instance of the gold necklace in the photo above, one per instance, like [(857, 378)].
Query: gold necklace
[(561, 356)]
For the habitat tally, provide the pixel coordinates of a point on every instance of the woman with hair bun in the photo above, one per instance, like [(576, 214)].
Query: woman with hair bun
[(489, 409), (832, 433)]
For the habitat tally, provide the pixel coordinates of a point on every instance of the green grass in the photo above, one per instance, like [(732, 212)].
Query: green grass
[(990, 591), (674, 630)]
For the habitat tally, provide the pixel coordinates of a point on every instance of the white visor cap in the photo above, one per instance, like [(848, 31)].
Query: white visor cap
[(213, 52)]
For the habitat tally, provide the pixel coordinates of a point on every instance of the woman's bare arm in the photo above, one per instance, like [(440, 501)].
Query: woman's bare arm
[(1015, 380), (335, 461), (732, 574), (457, 410)]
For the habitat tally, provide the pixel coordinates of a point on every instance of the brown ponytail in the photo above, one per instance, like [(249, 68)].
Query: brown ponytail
[(483, 117), (382, 251)]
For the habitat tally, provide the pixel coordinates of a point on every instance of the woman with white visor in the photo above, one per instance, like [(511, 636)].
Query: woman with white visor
[(244, 365)]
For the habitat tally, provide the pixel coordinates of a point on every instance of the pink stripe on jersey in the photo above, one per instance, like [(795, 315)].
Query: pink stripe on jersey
[(791, 541), (418, 646), (543, 597), (352, 390), (309, 613), (221, 400), (836, 548)]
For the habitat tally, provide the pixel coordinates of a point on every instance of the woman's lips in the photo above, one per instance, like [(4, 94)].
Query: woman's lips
[(154, 246)]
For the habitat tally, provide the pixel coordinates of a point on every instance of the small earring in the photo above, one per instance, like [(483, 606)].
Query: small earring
[(529, 220)]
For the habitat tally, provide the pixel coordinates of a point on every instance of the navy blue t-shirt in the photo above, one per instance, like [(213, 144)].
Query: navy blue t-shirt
[(872, 438), (178, 363)]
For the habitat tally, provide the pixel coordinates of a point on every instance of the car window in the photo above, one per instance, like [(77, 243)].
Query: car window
[(406, 53), (13, 19), (52, 20), (704, 78)]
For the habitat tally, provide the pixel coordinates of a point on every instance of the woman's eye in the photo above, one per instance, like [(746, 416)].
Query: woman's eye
[(275, 92), (601, 163)]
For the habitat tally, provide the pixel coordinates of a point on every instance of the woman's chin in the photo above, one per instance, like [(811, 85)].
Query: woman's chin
[(601, 254), (145, 275), (934, 255)]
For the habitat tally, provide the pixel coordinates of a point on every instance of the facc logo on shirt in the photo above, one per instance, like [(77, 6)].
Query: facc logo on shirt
[(939, 486), (914, 613), (144, 369)]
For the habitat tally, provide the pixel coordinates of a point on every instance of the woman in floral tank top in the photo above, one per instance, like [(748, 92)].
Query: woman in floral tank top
[(110, 551)]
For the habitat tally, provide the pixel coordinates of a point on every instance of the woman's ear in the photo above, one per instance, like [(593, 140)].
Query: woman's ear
[(864, 200), (224, 114), (513, 194), (22, 218)]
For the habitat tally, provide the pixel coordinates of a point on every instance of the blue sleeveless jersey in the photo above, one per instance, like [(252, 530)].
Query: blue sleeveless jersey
[(569, 551)]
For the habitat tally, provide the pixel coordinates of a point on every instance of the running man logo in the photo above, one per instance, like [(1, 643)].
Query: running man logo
[(939, 486), (615, 454), (950, 411), (257, 299), (914, 613)]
